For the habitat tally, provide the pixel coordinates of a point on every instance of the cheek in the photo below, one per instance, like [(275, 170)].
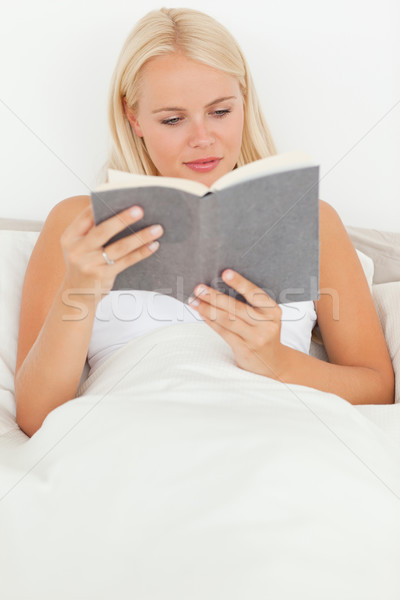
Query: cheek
[(236, 130), (158, 143), (165, 140), (165, 149)]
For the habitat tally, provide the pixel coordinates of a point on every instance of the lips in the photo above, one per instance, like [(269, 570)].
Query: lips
[(203, 165), (201, 161)]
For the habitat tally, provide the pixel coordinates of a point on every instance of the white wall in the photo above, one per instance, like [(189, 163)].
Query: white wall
[(327, 74)]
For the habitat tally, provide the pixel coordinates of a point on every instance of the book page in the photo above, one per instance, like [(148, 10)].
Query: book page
[(287, 161), (122, 179), (272, 164)]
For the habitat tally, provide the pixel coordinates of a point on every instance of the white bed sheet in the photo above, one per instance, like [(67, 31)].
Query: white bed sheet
[(206, 481)]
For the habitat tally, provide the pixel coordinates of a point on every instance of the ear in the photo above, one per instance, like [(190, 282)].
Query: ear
[(132, 119)]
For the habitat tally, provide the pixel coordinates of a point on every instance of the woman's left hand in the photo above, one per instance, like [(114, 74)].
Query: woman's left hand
[(253, 332)]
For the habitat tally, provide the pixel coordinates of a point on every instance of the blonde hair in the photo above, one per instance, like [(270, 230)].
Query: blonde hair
[(198, 37)]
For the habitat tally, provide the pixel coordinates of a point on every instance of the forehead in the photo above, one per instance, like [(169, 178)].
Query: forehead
[(174, 76)]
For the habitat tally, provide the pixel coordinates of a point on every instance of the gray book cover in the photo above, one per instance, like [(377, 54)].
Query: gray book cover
[(266, 229)]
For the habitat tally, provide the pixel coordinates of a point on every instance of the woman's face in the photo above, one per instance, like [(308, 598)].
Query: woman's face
[(188, 111)]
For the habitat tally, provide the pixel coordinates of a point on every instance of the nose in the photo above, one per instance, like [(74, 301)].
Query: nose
[(200, 135)]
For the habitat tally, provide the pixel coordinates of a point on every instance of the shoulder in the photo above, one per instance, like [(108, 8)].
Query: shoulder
[(338, 260), (336, 248), (329, 221), (47, 249), (59, 218), (65, 211), (46, 263)]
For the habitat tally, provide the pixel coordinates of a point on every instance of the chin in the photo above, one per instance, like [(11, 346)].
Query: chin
[(207, 179)]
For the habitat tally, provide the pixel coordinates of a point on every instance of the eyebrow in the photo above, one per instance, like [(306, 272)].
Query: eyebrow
[(172, 108)]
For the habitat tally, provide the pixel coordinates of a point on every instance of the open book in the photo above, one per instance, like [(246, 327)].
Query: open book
[(260, 219)]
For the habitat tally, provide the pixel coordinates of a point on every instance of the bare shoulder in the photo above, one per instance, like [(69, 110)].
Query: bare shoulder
[(65, 211), (329, 220), (47, 249), (45, 272), (60, 216), (58, 219), (337, 253), (340, 268)]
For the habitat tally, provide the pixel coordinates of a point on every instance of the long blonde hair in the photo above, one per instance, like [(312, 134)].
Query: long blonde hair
[(199, 37)]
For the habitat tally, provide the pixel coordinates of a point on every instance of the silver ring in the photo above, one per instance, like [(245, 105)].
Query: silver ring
[(109, 261)]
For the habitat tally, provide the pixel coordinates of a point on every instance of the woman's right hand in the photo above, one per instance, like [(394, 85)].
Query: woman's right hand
[(82, 244)]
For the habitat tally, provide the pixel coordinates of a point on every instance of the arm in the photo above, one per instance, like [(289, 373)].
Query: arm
[(66, 268), (51, 350), (360, 369), (51, 371)]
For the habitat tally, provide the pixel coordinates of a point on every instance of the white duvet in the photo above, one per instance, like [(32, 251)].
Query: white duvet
[(176, 475)]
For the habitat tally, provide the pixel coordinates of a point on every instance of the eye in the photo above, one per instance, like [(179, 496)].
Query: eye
[(218, 113), (170, 121), (222, 112)]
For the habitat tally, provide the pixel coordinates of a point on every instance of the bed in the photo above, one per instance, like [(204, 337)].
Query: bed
[(204, 481)]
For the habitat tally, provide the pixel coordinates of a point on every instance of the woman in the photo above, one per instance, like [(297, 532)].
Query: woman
[(181, 91)]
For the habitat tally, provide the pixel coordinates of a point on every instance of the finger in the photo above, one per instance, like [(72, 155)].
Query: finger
[(240, 335), (235, 308), (131, 258), (103, 232), (233, 338), (246, 327), (223, 320), (206, 295), (255, 295), (140, 240)]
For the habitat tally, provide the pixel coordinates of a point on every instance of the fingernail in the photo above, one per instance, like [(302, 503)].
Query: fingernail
[(136, 211), (193, 301), (156, 229), (200, 290), (228, 275)]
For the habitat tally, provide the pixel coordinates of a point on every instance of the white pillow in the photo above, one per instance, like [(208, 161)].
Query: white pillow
[(387, 303), (384, 249), (15, 250), (368, 267)]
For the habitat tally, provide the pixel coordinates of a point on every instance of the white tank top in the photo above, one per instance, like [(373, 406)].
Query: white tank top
[(123, 315)]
